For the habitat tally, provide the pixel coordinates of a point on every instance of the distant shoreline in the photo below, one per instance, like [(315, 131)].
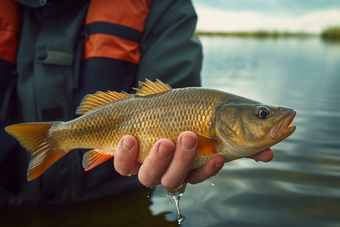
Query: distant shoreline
[(330, 34), (256, 34)]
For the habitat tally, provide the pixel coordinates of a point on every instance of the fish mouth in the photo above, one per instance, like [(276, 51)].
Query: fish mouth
[(283, 128)]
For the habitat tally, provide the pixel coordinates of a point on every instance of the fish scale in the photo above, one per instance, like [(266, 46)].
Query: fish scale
[(225, 124), (166, 116)]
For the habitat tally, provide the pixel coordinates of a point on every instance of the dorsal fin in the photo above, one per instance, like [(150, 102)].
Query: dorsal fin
[(150, 88), (100, 98)]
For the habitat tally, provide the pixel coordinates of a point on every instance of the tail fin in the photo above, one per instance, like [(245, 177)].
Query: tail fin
[(35, 138)]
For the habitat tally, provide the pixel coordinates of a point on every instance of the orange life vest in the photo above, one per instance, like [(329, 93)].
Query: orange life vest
[(112, 30), (9, 30), (111, 33)]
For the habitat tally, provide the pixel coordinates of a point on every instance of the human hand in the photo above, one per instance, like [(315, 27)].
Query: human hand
[(168, 164)]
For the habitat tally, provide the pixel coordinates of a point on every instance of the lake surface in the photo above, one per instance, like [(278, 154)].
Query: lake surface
[(301, 185)]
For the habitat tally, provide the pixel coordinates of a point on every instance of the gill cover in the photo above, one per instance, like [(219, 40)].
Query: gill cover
[(245, 127)]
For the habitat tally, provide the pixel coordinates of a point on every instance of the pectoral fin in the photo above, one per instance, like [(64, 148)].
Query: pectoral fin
[(206, 146), (94, 158)]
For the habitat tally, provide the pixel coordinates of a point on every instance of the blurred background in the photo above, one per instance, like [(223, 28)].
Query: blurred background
[(312, 16), (286, 53)]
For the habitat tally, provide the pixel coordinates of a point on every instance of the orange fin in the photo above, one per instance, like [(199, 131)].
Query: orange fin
[(150, 88), (206, 146), (94, 158), (100, 98), (34, 137)]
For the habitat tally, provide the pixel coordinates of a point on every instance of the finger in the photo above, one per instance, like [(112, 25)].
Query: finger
[(211, 168), (264, 156), (157, 161), (186, 149), (125, 156)]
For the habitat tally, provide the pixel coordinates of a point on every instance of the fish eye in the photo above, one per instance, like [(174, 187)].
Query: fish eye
[(262, 112)]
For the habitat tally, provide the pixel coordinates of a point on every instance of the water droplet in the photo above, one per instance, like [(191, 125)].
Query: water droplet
[(168, 195), (129, 175), (176, 197), (213, 184), (180, 219)]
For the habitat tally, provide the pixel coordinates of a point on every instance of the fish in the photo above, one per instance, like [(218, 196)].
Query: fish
[(225, 124)]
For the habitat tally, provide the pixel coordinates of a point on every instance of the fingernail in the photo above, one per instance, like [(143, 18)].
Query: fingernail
[(188, 142), (164, 151), (128, 144)]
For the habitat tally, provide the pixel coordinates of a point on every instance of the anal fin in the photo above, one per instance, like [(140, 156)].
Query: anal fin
[(206, 146), (94, 158)]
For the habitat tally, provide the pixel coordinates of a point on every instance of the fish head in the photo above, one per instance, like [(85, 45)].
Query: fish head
[(248, 128)]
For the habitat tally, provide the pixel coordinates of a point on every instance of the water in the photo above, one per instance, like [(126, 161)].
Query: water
[(177, 197), (301, 186)]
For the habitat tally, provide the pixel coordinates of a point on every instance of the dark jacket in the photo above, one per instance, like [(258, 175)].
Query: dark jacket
[(68, 49)]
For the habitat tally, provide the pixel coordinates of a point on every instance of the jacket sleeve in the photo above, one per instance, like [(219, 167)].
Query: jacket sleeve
[(170, 51)]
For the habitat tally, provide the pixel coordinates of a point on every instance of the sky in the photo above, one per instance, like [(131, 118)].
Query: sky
[(272, 15)]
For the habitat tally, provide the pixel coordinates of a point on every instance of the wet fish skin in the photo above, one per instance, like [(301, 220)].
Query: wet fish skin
[(166, 116), (225, 124)]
